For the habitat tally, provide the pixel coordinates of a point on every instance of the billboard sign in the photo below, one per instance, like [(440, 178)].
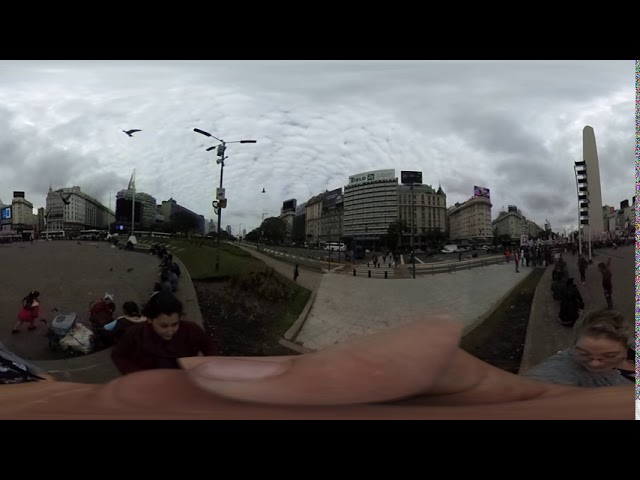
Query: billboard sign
[(333, 197), (481, 192), (6, 213), (289, 205), (18, 194), (410, 177), (389, 174)]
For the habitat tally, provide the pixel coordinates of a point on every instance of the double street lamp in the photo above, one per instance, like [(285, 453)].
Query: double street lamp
[(222, 201)]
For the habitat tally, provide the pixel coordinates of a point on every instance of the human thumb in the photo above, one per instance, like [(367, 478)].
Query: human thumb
[(397, 363)]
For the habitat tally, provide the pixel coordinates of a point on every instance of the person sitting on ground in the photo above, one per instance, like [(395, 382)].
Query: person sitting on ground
[(168, 276), (162, 339), (599, 350), (121, 324), (102, 311), (174, 267), (29, 312), (571, 304)]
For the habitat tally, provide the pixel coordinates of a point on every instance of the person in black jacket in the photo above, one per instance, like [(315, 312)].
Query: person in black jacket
[(571, 304)]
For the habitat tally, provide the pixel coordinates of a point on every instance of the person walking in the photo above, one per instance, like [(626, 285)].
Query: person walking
[(295, 273), (582, 267), (516, 258), (607, 285), (571, 304)]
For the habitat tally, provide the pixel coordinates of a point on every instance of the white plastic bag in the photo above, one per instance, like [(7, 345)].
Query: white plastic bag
[(79, 339)]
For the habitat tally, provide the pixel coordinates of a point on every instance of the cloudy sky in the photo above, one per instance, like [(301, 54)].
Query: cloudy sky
[(513, 127)]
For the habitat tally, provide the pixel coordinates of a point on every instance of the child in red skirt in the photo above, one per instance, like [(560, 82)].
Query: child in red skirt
[(29, 313)]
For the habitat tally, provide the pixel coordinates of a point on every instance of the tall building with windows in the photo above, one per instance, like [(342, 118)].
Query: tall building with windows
[(422, 208), (370, 205), (470, 221), (145, 209), (170, 209), (298, 231), (514, 224), (313, 214), (332, 216), (287, 214), (72, 210)]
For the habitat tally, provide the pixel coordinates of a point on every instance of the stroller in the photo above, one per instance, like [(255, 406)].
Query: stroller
[(66, 334)]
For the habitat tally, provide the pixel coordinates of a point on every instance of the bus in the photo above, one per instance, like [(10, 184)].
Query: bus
[(335, 246), (53, 234), (93, 234)]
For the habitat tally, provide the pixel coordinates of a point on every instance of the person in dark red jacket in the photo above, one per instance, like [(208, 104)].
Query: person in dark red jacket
[(29, 313), (162, 339)]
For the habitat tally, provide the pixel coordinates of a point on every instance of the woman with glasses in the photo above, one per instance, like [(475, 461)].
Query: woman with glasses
[(599, 356)]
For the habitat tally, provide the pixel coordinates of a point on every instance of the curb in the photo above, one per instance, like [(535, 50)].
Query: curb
[(294, 346), (294, 329), (469, 328), (538, 310)]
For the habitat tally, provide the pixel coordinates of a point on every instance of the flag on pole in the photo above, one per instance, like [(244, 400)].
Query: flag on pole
[(132, 181)]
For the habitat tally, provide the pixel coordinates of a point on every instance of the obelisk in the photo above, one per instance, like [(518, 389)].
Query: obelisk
[(590, 155)]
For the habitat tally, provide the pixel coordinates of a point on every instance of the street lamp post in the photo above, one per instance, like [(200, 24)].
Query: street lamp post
[(413, 225), (222, 201), (261, 227)]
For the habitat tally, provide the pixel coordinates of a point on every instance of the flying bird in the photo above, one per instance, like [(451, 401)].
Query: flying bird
[(131, 132), (65, 199)]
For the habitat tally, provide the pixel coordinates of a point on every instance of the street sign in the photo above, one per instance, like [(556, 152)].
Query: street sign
[(220, 193)]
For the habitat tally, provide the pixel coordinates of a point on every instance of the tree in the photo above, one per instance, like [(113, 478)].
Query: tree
[(253, 235), (394, 234), (274, 230), (436, 237)]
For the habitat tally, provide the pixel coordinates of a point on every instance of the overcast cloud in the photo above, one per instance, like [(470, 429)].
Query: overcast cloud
[(513, 127)]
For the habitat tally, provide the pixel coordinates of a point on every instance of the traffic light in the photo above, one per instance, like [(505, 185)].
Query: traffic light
[(223, 203)]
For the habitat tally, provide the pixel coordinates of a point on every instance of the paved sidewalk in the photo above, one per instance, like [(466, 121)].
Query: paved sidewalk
[(545, 335), (309, 279), (347, 307), (69, 275)]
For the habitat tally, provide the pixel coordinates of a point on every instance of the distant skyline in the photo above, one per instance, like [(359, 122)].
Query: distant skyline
[(514, 127)]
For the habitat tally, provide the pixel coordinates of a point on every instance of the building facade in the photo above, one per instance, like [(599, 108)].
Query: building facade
[(470, 221), (370, 205), (287, 214), (313, 214), (510, 224), (146, 212), (170, 208), (423, 210), (298, 231), (331, 221), (72, 210)]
